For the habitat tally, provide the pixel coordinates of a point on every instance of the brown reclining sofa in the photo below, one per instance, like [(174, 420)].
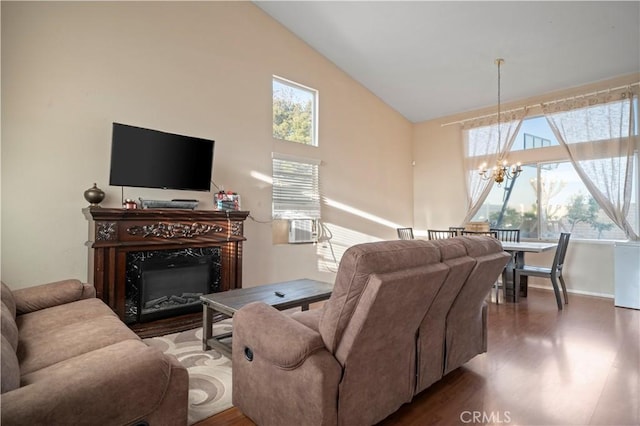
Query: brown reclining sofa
[(402, 315)]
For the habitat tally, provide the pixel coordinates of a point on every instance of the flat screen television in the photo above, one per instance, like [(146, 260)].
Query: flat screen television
[(153, 159)]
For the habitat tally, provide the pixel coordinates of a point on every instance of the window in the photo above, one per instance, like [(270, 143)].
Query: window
[(549, 197), (296, 191), (294, 112), (534, 133)]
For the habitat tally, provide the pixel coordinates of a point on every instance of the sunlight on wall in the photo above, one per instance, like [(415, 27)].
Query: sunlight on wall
[(262, 177), (334, 241), (362, 214)]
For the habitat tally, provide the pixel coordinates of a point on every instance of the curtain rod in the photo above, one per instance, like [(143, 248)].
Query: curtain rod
[(541, 103), (626, 86), (485, 116)]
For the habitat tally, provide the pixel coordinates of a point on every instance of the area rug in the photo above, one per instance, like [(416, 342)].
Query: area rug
[(209, 372)]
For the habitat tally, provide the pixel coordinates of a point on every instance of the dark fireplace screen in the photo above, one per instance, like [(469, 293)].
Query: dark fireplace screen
[(167, 283)]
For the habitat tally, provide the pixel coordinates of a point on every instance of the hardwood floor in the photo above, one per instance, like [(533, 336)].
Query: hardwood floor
[(579, 366)]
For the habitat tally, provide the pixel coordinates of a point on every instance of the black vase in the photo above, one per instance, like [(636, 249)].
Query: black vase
[(94, 195)]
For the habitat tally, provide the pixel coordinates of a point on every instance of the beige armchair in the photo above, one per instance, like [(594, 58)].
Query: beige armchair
[(363, 355)]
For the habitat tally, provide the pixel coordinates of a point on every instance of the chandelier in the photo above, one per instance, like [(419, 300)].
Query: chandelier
[(501, 170)]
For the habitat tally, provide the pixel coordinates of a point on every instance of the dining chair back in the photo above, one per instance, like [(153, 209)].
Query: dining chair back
[(405, 233), (554, 273), (458, 229), (439, 234), (489, 233), (510, 235)]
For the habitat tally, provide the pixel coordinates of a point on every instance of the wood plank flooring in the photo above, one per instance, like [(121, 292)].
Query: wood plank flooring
[(579, 366)]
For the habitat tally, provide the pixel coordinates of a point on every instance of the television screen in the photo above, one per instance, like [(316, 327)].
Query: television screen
[(154, 159)]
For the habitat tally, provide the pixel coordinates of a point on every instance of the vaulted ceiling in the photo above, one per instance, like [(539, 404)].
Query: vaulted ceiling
[(428, 59)]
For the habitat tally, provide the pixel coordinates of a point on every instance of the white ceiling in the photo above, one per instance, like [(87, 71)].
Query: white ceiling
[(429, 59)]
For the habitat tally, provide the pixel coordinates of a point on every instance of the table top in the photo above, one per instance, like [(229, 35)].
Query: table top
[(294, 293), (528, 246)]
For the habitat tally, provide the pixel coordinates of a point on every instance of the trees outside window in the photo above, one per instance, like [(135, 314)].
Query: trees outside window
[(294, 112)]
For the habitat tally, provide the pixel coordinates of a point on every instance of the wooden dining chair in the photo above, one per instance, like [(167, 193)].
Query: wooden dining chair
[(439, 234), (458, 229), (405, 233), (489, 233), (554, 273), (511, 235)]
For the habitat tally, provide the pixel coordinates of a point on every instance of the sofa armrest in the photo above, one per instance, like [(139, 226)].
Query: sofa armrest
[(121, 384), (44, 296), (289, 377), (275, 336)]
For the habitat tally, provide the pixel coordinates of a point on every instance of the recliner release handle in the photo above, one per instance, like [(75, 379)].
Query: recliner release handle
[(248, 354)]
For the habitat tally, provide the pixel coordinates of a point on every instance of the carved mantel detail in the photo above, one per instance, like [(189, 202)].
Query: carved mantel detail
[(236, 228), (174, 230), (105, 231)]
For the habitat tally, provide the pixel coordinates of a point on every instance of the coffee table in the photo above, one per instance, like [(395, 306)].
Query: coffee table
[(283, 295)]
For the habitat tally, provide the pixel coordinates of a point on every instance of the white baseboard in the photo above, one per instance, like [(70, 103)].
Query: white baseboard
[(582, 292)]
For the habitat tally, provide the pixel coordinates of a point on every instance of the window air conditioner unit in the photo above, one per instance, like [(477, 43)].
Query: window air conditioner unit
[(302, 231)]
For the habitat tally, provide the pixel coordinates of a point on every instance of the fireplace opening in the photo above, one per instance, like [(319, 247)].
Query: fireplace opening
[(167, 283)]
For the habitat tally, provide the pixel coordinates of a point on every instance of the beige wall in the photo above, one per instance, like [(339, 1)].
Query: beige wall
[(204, 69), (200, 68), (440, 201)]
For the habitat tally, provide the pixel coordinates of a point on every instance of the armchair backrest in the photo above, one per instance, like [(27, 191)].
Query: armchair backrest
[(466, 320), (370, 323), (357, 266), (431, 335)]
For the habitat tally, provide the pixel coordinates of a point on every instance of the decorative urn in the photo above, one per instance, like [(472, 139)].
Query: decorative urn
[(94, 195)]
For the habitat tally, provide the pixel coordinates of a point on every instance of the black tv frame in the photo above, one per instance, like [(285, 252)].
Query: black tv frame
[(148, 158)]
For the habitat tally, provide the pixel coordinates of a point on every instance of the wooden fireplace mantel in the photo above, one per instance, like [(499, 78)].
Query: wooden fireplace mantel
[(115, 232)]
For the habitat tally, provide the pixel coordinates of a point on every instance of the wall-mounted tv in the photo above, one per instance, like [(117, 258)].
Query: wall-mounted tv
[(153, 159)]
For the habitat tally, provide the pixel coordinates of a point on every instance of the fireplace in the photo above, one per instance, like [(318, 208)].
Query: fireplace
[(167, 283), (122, 241)]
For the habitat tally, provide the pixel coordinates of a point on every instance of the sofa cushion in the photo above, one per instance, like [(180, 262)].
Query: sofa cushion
[(310, 318), (75, 339), (356, 266), (45, 320), (9, 327), (47, 295), (9, 367), (8, 299)]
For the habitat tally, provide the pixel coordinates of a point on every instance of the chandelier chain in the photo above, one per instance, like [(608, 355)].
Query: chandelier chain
[(499, 62), (501, 171)]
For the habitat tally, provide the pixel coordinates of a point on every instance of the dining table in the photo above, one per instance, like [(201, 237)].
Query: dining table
[(517, 251)]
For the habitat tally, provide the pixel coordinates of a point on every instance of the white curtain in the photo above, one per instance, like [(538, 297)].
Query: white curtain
[(481, 145), (600, 135)]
